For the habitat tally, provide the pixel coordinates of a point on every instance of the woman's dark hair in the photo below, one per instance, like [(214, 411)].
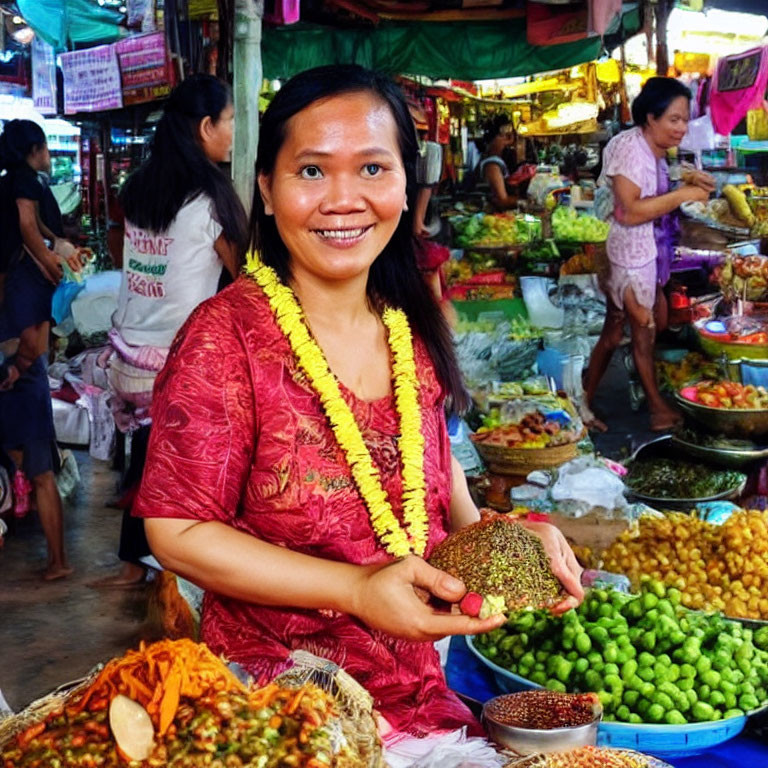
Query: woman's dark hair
[(178, 170), (657, 94), (18, 139), (491, 129), (394, 277)]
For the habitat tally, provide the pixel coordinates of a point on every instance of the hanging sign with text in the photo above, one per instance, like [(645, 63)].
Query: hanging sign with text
[(43, 77), (145, 67), (91, 80)]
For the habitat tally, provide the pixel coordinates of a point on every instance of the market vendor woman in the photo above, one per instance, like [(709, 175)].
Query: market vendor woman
[(639, 247), (299, 465)]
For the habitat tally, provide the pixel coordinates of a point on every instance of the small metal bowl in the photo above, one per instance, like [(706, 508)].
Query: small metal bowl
[(528, 741)]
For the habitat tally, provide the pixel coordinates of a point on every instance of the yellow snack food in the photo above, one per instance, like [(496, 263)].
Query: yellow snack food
[(716, 567)]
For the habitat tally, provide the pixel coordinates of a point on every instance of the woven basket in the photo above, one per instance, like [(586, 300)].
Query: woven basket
[(520, 461), (39, 710)]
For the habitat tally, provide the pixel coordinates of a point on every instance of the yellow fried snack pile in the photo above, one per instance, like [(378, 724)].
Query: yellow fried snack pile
[(716, 567)]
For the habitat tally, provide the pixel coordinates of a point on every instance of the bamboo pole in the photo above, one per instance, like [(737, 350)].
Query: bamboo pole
[(248, 75)]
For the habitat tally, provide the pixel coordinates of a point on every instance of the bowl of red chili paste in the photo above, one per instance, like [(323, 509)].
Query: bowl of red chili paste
[(543, 721)]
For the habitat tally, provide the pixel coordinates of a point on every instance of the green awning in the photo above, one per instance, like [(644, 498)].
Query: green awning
[(461, 50), (63, 23)]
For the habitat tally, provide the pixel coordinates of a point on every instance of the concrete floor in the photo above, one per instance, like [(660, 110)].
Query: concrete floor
[(52, 633)]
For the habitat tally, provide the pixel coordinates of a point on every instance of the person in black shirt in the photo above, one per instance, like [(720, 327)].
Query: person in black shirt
[(32, 252)]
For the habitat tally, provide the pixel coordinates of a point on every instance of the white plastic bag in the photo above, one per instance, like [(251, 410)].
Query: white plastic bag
[(700, 136), (446, 750), (586, 483)]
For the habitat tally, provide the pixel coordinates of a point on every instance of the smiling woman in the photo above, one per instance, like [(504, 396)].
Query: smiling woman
[(307, 402)]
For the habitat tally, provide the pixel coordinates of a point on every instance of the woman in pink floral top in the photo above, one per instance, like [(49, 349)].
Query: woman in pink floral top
[(635, 170)]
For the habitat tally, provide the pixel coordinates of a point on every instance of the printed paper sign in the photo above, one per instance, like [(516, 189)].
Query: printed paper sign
[(43, 77), (145, 68), (91, 80)]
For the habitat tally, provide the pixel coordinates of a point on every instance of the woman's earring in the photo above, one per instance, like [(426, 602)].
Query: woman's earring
[(405, 204)]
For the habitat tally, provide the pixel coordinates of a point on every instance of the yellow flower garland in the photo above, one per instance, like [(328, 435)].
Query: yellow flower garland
[(290, 319)]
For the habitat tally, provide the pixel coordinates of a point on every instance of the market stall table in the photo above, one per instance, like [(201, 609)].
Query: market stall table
[(467, 676)]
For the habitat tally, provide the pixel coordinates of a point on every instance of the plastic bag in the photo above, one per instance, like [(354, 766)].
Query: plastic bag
[(700, 136), (65, 293), (586, 483), (446, 750)]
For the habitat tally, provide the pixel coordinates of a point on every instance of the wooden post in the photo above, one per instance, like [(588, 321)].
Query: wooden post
[(662, 52), (247, 85), (625, 111)]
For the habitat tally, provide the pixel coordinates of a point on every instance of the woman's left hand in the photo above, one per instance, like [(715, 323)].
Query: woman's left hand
[(562, 561)]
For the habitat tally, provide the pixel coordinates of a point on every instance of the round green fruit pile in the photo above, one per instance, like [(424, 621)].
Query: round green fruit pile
[(649, 659)]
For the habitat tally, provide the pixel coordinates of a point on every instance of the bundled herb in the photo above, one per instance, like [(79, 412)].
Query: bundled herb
[(670, 479)]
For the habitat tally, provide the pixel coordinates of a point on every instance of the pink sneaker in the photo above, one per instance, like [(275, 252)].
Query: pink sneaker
[(21, 490)]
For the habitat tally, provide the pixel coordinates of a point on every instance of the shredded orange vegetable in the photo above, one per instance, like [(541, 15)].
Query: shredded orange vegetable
[(158, 675)]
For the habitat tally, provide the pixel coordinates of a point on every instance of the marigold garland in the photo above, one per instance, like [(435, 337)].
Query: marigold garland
[(291, 321)]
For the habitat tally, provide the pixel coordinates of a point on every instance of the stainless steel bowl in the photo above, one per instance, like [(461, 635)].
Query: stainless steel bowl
[(734, 458), (736, 422), (665, 447), (528, 741)]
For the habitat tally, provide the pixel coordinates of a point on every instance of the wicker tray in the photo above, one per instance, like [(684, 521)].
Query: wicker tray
[(520, 461), (40, 709)]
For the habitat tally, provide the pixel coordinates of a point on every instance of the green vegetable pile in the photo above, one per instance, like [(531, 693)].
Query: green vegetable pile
[(672, 479), (567, 224), (544, 251), (495, 230), (649, 659)]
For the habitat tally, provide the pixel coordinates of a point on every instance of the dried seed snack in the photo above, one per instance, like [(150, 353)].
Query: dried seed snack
[(544, 710), (502, 562)]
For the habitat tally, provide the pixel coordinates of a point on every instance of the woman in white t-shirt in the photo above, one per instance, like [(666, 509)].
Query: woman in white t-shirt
[(185, 230)]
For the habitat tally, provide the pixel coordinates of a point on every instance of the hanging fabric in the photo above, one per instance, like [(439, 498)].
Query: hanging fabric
[(738, 85), (551, 24), (602, 13)]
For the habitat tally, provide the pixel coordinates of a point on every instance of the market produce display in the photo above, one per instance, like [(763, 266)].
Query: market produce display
[(529, 417), (743, 277), (581, 263), (674, 479), (495, 351), (735, 329), (739, 205), (503, 565), (649, 659), (175, 704), (589, 757), (673, 376), (569, 225), (534, 430), (738, 210), (726, 394), (716, 567), (544, 710), (495, 230)]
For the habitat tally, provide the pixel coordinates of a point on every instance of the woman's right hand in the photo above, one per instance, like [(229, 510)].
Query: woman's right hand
[(52, 267), (386, 598), (692, 193)]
